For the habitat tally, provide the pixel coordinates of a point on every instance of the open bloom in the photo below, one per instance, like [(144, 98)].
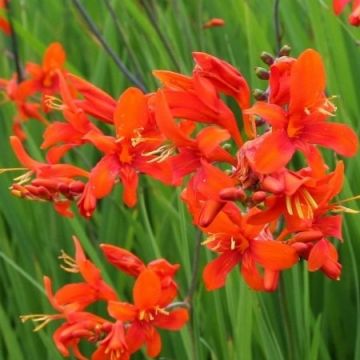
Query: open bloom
[(304, 122), (147, 314), (126, 154)]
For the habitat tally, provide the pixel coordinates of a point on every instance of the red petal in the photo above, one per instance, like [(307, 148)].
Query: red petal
[(174, 321), (103, 176), (54, 57), (338, 5), (274, 152), (273, 255), (251, 273), (131, 113), (122, 311), (153, 343), (123, 259), (318, 255), (22, 155), (147, 290), (167, 124), (338, 137), (271, 113), (130, 180), (307, 81), (216, 271)]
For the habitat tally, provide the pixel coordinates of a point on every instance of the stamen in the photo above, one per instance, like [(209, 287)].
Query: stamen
[(44, 319), (339, 209), (288, 205), (348, 199), (299, 207), (54, 103), (162, 152), (24, 178), (5, 170), (232, 244), (310, 199), (70, 263)]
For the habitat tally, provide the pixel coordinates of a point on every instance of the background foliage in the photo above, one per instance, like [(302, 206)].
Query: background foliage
[(309, 317)]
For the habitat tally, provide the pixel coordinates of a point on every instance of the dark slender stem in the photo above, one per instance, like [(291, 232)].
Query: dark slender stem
[(277, 25), (14, 43), (160, 33), (195, 269), (122, 35), (93, 28)]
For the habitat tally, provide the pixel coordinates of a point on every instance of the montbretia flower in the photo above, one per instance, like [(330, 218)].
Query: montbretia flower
[(57, 183), (354, 17), (147, 313), (250, 246), (129, 263), (214, 22), (126, 154), (4, 24), (303, 123)]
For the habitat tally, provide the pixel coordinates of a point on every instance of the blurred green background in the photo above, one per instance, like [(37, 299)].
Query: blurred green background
[(310, 317)]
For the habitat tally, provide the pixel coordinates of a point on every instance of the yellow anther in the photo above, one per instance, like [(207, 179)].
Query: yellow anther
[(54, 103), (70, 264), (288, 205)]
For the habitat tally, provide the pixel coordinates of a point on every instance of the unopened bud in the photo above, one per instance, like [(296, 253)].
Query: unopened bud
[(285, 50), (267, 58), (259, 95), (232, 194), (262, 73), (258, 196)]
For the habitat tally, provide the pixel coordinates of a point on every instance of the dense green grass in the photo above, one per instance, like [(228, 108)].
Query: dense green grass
[(310, 317)]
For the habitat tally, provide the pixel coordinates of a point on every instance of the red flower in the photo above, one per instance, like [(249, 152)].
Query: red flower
[(304, 122), (147, 314), (214, 22), (248, 245), (354, 18), (125, 155)]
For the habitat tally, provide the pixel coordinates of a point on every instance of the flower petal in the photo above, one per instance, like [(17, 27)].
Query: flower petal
[(147, 290), (173, 321), (122, 311), (216, 271), (131, 112), (123, 259), (271, 113), (307, 81), (273, 255), (274, 152), (338, 137)]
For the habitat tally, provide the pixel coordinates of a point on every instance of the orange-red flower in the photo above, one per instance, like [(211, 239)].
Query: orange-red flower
[(131, 151), (4, 24), (214, 22), (304, 122), (53, 182), (147, 314), (249, 245), (354, 17)]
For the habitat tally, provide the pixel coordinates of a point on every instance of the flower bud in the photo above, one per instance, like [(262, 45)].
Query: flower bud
[(259, 95), (267, 58), (285, 50), (262, 73)]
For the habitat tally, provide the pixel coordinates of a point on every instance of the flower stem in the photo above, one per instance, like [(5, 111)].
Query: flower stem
[(277, 26), (95, 31), (14, 43)]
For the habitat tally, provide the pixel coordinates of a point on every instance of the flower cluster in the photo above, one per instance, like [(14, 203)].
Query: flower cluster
[(130, 326), (257, 207)]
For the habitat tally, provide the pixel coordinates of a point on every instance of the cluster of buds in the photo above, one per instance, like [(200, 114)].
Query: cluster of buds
[(129, 326)]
